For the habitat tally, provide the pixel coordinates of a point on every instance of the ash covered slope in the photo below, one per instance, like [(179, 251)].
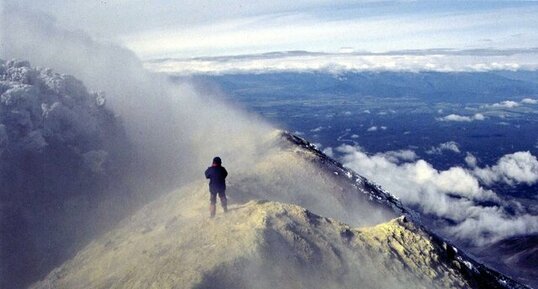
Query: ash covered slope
[(170, 243)]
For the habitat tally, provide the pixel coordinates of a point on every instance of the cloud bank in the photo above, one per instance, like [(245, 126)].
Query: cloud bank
[(456, 193), (427, 60)]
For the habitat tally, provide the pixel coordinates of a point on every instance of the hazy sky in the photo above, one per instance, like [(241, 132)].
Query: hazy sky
[(166, 28)]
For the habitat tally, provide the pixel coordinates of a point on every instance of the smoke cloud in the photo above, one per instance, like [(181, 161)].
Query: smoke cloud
[(172, 133), (174, 126), (174, 129)]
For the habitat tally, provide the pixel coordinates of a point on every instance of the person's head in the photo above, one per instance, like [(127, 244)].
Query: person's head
[(217, 161)]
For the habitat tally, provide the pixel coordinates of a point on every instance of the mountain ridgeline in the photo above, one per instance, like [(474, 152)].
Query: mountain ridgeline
[(171, 243)]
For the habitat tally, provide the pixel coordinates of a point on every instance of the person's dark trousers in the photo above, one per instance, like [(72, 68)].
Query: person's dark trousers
[(213, 202)]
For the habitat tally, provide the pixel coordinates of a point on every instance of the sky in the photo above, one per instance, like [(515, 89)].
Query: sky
[(186, 29)]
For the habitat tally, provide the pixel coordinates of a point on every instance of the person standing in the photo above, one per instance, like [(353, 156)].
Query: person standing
[(217, 174)]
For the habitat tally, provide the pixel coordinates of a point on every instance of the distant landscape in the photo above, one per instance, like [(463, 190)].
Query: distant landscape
[(384, 111)]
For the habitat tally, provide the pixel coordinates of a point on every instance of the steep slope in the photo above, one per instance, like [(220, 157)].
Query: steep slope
[(513, 256), (171, 243)]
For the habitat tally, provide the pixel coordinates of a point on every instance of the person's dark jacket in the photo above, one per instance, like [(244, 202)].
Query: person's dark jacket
[(217, 178)]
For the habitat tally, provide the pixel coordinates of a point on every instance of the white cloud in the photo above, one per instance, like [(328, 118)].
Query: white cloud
[(493, 221), (329, 152), (516, 168), (400, 155), (455, 117), (471, 160), (506, 104), (418, 183), (419, 175), (511, 103), (529, 101), (447, 146), (479, 116), (450, 146), (461, 118), (376, 128), (317, 129)]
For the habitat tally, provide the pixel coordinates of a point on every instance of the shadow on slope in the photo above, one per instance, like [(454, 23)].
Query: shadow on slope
[(517, 256)]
